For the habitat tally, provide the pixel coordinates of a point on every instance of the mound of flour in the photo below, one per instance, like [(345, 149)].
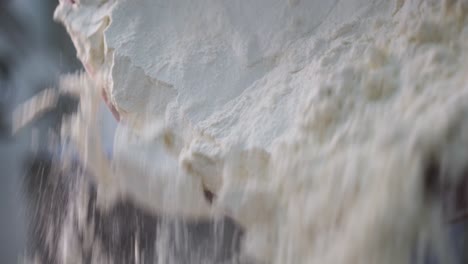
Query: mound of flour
[(313, 123)]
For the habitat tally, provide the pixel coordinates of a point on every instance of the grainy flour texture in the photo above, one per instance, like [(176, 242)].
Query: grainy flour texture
[(311, 122)]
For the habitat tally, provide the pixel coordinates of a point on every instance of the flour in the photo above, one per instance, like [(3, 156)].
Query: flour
[(311, 121)]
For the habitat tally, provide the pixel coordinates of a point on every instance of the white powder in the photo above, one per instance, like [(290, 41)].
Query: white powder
[(311, 121)]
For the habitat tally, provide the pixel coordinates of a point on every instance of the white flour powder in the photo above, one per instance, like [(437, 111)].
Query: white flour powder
[(311, 121)]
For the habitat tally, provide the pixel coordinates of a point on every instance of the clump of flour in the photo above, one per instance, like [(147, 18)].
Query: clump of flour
[(312, 122)]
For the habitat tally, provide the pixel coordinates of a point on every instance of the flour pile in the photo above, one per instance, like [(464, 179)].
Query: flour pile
[(316, 124)]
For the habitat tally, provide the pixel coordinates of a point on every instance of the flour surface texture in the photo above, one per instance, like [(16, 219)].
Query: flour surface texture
[(312, 122)]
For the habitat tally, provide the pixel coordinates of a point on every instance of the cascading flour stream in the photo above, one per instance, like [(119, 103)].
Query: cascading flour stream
[(310, 122)]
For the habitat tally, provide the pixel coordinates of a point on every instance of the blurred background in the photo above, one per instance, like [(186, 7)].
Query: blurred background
[(34, 51)]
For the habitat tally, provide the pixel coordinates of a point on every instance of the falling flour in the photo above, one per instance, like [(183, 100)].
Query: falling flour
[(311, 122)]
